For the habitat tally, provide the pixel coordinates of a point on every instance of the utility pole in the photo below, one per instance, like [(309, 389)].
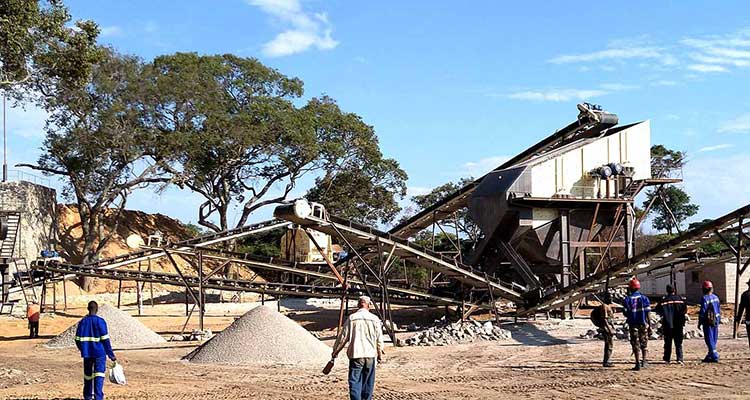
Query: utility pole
[(5, 146)]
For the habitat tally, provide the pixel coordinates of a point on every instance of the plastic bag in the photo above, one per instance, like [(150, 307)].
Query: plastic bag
[(117, 375)]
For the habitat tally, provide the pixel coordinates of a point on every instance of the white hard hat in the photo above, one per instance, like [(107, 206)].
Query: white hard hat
[(366, 299)]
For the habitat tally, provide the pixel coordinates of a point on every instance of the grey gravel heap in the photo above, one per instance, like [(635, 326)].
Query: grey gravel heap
[(445, 334), (262, 336), (622, 332), (124, 331)]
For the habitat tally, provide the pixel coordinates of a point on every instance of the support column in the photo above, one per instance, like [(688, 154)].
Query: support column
[(737, 274), (138, 295), (629, 231), (201, 295), (565, 257)]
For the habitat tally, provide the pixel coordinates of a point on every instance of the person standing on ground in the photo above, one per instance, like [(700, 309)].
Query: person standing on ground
[(744, 308), (92, 339), (363, 334), (709, 319), (637, 308), (603, 318), (33, 312), (672, 309)]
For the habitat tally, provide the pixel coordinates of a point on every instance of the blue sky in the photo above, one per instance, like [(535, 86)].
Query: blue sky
[(454, 88)]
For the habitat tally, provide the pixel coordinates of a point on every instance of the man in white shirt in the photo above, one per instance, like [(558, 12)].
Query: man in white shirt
[(363, 336)]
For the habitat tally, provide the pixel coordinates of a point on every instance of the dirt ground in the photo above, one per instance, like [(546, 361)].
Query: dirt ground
[(545, 360)]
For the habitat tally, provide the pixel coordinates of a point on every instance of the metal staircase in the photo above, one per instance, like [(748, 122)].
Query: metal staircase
[(8, 245)]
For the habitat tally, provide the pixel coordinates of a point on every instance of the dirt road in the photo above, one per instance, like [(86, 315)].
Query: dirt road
[(545, 364)]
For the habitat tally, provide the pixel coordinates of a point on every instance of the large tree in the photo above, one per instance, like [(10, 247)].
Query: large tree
[(671, 208), (39, 48), (236, 137), (671, 205), (96, 145), (467, 229)]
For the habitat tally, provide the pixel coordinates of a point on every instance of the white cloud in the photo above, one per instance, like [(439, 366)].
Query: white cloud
[(617, 87), (715, 53), (557, 94), (714, 148), (108, 31), (618, 53), (706, 68), (664, 82), (305, 30), (741, 124), (483, 166), (568, 94)]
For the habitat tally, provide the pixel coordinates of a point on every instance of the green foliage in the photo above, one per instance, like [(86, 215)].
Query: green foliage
[(39, 50), (95, 143), (266, 244), (671, 209), (664, 161), (194, 229), (468, 230), (231, 132), (357, 183)]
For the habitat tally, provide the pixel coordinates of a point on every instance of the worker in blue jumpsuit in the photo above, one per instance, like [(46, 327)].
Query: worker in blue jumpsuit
[(637, 309), (709, 319), (92, 339)]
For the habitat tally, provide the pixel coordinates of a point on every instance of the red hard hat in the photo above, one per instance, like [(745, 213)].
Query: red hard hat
[(708, 285), (634, 284)]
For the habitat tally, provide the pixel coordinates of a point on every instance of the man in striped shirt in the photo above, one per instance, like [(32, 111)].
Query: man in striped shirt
[(92, 339), (637, 308)]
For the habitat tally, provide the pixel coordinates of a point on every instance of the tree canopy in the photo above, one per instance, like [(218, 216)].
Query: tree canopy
[(39, 49), (467, 228), (231, 131), (96, 144)]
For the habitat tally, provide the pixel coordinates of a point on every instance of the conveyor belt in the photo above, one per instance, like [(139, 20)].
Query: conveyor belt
[(396, 295), (365, 235), (200, 241), (678, 249)]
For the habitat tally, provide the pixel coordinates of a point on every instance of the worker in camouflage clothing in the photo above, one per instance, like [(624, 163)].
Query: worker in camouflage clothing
[(603, 318)]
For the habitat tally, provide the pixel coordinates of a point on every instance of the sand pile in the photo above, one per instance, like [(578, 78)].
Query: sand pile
[(124, 331), (262, 336)]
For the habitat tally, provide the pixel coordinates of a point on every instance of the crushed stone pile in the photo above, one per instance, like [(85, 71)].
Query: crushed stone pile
[(622, 332), (262, 336), (446, 333), (124, 331)]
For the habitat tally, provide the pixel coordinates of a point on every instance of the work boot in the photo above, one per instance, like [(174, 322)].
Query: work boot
[(644, 364), (637, 363)]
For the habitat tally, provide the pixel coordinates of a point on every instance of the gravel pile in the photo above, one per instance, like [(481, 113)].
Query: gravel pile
[(622, 332), (124, 331), (262, 336), (457, 333)]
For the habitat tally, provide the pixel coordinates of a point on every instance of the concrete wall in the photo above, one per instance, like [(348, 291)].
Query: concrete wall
[(690, 283), (38, 215)]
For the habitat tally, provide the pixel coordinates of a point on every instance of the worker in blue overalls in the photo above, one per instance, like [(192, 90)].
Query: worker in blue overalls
[(92, 340), (637, 309), (709, 319)]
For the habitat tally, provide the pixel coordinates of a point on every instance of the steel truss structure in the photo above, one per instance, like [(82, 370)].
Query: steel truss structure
[(684, 248)]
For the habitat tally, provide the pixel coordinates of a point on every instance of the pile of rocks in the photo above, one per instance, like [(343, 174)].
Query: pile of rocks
[(446, 333), (124, 331), (622, 332), (262, 336)]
